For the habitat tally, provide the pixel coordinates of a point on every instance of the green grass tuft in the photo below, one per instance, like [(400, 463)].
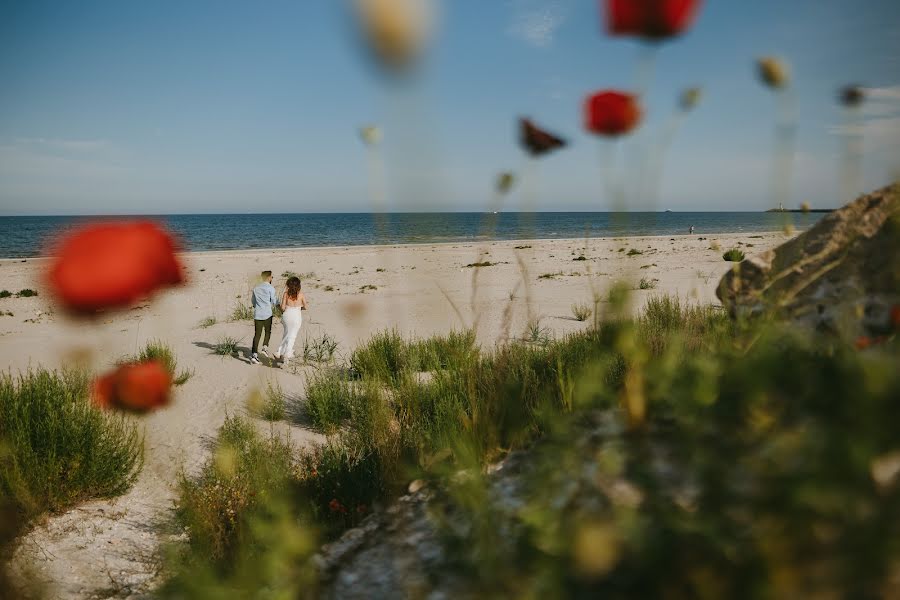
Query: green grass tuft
[(733, 255), (242, 312), (582, 311), (226, 346), (208, 322), (57, 449)]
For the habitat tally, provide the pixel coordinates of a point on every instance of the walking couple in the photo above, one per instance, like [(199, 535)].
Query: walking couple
[(292, 301)]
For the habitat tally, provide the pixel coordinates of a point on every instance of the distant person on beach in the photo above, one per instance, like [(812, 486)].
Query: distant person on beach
[(263, 299), (292, 302), (692, 229)]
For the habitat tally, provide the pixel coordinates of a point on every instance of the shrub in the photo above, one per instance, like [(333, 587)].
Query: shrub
[(208, 322), (485, 263), (26, 293), (581, 311), (226, 346), (329, 398), (245, 469), (242, 312), (441, 352), (56, 448), (633, 252), (647, 284), (580, 257), (269, 405), (5, 293), (733, 255), (535, 333), (384, 357)]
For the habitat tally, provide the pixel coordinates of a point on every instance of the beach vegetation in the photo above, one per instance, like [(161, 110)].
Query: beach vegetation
[(368, 286), (226, 346), (522, 247), (271, 404), (634, 252), (289, 274), (733, 255), (319, 349), (580, 257), (329, 288), (551, 275), (26, 293), (535, 333), (581, 311), (207, 322), (714, 443), (485, 263), (57, 448), (160, 351), (647, 284), (242, 312), (5, 293)]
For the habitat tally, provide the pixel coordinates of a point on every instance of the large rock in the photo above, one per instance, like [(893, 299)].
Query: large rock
[(842, 275)]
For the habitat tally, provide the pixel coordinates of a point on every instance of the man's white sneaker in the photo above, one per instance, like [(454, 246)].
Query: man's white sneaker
[(254, 360), (265, 350)]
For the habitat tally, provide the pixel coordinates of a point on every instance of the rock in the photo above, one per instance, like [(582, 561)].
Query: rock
[(842, 275)]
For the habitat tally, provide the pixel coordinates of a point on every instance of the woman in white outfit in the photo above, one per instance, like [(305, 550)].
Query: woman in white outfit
[(292, 302)]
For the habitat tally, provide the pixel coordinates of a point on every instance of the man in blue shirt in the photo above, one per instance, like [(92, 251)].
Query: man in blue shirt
[(263, 300)]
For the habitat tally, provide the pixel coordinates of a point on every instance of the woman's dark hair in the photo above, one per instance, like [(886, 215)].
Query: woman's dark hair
[(293, 287)]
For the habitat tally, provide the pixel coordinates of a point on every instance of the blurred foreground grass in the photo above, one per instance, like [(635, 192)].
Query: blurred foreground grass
[(735, 460)]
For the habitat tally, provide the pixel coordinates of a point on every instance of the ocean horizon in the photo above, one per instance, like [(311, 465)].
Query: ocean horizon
[(30, 236)]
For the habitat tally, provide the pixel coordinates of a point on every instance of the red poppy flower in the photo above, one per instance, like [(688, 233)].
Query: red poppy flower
[(134, 387), (895, 316), (611, 113), (651, 19), (862, 342), (111, 265), (361, 509), (335, 506)]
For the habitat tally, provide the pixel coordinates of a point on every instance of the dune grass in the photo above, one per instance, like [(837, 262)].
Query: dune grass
[(160, 351), (582, 311), (733, 255), (57, 449), (722, 437), (242, 312)]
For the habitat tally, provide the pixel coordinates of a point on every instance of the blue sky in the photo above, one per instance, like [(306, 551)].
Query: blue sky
[(225, 106)]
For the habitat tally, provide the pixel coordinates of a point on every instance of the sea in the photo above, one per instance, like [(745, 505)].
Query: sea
[(30, 236)]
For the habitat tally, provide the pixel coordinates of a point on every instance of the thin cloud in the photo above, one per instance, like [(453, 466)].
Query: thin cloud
[(536, 23)]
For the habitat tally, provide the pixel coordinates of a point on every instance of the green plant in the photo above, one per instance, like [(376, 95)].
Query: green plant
[(26, 293), (159, 351), (480, 264), (57, 449), (551, 275), (271, 405), (289, 274), (329, 288), (733, 255), (580, 257), (5, 293), (647, 284), (634, 252), (226, 346), (207, 322), (329, 397), (319, 349), (242, 312), (368, 286), (581, 311), (535, 333)]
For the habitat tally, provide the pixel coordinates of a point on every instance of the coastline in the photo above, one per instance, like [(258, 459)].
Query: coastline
[(353, 292)]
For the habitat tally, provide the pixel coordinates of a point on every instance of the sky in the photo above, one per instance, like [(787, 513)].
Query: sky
[(222, 106)]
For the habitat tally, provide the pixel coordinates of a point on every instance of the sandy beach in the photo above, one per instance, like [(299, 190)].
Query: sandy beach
[(352, 292)]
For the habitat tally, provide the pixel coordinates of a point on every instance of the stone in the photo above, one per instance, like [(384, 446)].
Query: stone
[(842, 275)]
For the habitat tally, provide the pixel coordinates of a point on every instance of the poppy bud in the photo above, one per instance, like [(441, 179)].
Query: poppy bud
[(611, 113), (852, 96), (773, 72), (690, 98), (396, 30)]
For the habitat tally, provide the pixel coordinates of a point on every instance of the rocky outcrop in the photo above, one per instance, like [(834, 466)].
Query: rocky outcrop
[(841, 275)]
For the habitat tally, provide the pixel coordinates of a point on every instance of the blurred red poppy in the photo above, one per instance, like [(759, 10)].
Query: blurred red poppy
[(112, 265), (611, 113), (651, 19), (895, 316), (862, 342), (134, 387)]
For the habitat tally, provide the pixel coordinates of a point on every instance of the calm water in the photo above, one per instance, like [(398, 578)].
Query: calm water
[(26, 236)]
